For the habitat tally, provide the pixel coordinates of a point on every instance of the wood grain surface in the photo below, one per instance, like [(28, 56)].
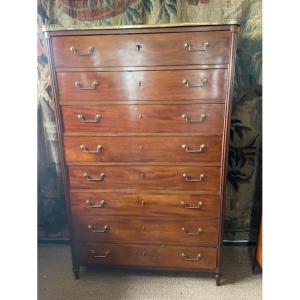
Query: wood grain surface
[(143, 85), (142, 49)]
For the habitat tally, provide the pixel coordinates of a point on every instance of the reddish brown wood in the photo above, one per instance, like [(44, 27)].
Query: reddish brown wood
[(149, 205), (147, 230), (142, 49), (146, 177), (143, 149), (141, 100), (150, 256), (143, 85), (145, 118), (225, 150), (58, 118)]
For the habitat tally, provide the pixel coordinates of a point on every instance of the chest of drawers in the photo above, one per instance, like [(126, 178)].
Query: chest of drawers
[(143, 119)]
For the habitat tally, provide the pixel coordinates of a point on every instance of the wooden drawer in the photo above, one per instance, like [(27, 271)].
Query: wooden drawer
[(142, 85), (143, 149), (148, 205), (146, 230), (177, 257), (180, 118), (142, 177), (142, 49)]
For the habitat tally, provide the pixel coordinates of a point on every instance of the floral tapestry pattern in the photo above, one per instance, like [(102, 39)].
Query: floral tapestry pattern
[(243, 201)]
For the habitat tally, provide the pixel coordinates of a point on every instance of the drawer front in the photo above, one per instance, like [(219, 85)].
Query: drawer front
[(180, 118), (177, 257), (143, 149), (174, 231), (146, 177), (143, 85), (142, 49), (147, 205)]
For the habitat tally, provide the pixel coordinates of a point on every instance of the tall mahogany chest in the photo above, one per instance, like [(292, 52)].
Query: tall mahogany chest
[(143, 116)]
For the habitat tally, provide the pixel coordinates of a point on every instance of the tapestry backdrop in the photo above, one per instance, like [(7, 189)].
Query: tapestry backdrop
[(243, 201)]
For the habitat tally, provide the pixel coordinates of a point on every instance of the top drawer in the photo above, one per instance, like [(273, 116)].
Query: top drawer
[(187, 48)]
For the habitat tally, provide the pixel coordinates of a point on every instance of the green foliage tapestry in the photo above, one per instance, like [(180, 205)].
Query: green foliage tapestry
[(243, 201)]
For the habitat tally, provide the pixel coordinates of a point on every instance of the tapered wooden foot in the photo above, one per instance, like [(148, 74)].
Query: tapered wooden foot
[(219, 278), (76, 272), (256, 268)]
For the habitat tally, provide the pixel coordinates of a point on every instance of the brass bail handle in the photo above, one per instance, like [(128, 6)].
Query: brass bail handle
[(89, 178), (83, 119), (189, 46), (91, 228), (86, 149), (76, 51), (188, 149), (199, 230), (185, 205), (188, 178), (186, 257), (91, 205), (105, 255), (93, 86), (201, 83), (187, 118)]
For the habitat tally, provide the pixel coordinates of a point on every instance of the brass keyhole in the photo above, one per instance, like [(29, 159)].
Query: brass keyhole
[(138, 47), (141, 147)]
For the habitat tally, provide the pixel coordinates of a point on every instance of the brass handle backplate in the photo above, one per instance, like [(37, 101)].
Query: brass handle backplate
[(187, 119), (80, 87), (188, 178), (88, 177), (91, 228), (186, 257), (187, 148), (202, 82), (91, 205), (192, 233), (185, 205), (82, 119), (77, 52), (86, 149), (105, 255), (189, 46)]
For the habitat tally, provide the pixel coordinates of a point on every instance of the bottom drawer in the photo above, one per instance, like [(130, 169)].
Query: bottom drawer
[(136, 255)]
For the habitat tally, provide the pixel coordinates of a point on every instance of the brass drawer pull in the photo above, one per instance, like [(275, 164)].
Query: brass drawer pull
[(90, 204), (105, 227), (88, 177), (93, 87), (106, 253), (203, 117), (187, 148), (192, 233), (76, 51), (82, 119), (188, 178), (86, 149), (186, 257), (203, 81), (190, 46), (185, 205)]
